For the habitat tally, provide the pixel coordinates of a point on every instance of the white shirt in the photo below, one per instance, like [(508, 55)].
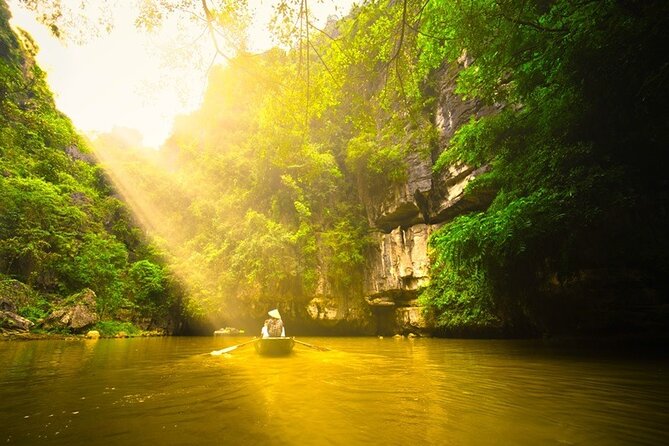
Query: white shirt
[(265, 333)]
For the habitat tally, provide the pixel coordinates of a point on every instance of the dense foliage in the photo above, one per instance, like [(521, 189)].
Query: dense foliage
[(260, 187), (280, 166), (61, 227), (257, 197), (256, 210), (574, 239)]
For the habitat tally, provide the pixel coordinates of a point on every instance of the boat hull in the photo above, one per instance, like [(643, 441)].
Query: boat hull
[(274, 346)]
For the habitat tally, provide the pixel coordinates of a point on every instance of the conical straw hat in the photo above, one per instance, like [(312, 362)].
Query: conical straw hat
[(274, 313)]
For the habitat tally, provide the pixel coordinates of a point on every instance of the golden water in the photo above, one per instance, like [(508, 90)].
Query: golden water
[(367, 391)]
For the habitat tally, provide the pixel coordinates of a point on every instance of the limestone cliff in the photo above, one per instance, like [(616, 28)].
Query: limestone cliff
[(406, 214)]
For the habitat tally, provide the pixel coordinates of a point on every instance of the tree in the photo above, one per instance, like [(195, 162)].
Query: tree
[(580, 84), (60, 228)]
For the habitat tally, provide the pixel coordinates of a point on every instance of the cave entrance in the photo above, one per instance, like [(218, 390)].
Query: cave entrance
[(385, 320)]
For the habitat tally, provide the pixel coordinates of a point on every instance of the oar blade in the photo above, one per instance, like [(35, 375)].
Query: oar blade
[(225, 350), (315, 347), (231, 348)]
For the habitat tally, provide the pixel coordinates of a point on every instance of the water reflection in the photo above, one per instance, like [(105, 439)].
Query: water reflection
[(365, 391)]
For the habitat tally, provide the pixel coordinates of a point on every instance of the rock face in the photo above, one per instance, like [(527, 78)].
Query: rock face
[(77, 315), (407, 214), (404, 216), (12, 322), (340, 315), (389, 208), (14, 295), (398, 265), (397, 269)]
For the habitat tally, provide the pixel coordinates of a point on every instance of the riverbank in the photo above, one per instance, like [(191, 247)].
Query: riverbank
[(28, 336)]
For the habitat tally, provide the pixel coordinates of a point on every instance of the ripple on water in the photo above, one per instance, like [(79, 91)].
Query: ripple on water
[(366, 391)]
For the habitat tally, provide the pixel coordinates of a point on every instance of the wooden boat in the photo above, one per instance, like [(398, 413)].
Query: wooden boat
[(274, 346)]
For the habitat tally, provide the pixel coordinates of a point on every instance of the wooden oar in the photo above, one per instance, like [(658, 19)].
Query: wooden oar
[(317, 347), (231, 348)]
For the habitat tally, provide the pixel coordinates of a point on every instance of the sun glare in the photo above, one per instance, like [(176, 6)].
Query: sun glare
[(130, 78)]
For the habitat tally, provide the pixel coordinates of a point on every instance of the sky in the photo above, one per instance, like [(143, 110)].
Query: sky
[(134, 79)]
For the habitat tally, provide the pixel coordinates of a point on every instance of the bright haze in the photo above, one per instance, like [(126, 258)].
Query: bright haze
[(130, 78)]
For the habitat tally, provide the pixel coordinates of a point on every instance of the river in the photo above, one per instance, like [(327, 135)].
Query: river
[(366, 391)]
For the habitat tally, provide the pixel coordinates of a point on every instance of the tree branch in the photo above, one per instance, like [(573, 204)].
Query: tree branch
[(401, 39), (334, 40), (325, 65), (306, 18)]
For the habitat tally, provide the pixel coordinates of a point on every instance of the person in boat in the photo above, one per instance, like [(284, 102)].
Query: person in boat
[(273, 326)]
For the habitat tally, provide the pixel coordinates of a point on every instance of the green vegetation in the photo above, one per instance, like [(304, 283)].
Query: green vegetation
[(61, 227), (257, 198), (256, 194), (279, 167), (255, 210), (114, 328), (573, 240)]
